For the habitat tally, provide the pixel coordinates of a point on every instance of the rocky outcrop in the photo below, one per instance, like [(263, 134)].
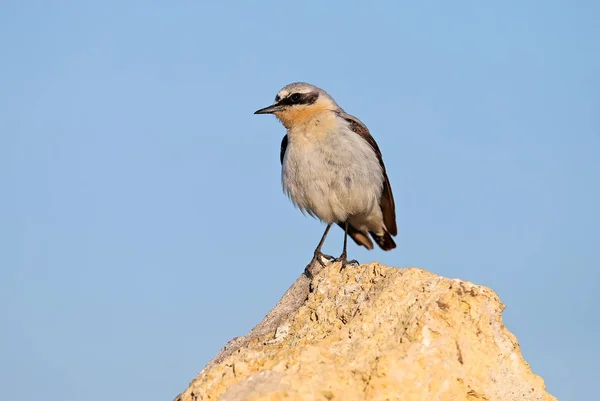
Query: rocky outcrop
[(372, 332)]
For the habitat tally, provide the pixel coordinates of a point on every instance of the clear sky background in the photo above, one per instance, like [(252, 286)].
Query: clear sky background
[(142, 222)]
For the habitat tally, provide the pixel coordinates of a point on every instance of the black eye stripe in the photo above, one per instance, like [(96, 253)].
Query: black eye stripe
[(299, 98)]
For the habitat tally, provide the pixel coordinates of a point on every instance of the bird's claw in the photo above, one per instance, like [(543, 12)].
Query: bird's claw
[(318, 258), (345, 262)]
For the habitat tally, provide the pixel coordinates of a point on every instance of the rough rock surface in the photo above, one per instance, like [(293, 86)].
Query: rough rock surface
[(372, 332)]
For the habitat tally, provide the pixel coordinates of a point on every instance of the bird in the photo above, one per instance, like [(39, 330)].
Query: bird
[(332, 169)]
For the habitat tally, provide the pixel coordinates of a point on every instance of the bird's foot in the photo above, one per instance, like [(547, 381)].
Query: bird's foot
[(344, 261), (317, 260)]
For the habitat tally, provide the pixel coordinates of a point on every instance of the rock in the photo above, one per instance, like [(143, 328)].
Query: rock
[(372, 332)]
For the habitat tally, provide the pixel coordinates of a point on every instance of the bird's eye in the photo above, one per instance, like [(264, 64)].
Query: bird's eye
[(296, 97)]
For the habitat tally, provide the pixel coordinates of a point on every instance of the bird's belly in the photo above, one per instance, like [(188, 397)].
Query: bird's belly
[(333, 180)]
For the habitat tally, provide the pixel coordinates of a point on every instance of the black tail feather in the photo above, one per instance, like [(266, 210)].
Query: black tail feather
[(385, 241)]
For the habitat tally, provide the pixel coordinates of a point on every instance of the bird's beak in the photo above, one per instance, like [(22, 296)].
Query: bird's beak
[(270, 109)]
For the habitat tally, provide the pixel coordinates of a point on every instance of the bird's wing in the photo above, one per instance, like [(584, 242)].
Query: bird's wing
[(284, 143), (388, 207)]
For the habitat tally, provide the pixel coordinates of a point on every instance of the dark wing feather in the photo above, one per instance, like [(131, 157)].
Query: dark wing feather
[(284, 143), (388, 207)]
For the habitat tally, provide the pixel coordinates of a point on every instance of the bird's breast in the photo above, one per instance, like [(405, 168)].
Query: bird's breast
[(330, 171)]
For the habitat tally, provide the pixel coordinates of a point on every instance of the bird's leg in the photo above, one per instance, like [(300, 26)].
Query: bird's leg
[(318, 255), (343, 257)]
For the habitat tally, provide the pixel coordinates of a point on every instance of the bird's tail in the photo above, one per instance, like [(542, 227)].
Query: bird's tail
[(385, 241), (358, 236)]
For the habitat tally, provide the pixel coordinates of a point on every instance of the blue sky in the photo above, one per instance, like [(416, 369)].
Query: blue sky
[(142, 222)]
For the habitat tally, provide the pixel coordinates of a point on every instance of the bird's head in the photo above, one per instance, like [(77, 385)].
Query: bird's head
[(298, 102)]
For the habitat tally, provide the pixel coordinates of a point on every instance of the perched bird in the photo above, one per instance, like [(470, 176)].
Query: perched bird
[(332, 169)]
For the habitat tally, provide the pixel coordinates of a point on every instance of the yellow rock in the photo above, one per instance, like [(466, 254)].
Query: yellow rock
[(373, 332)]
